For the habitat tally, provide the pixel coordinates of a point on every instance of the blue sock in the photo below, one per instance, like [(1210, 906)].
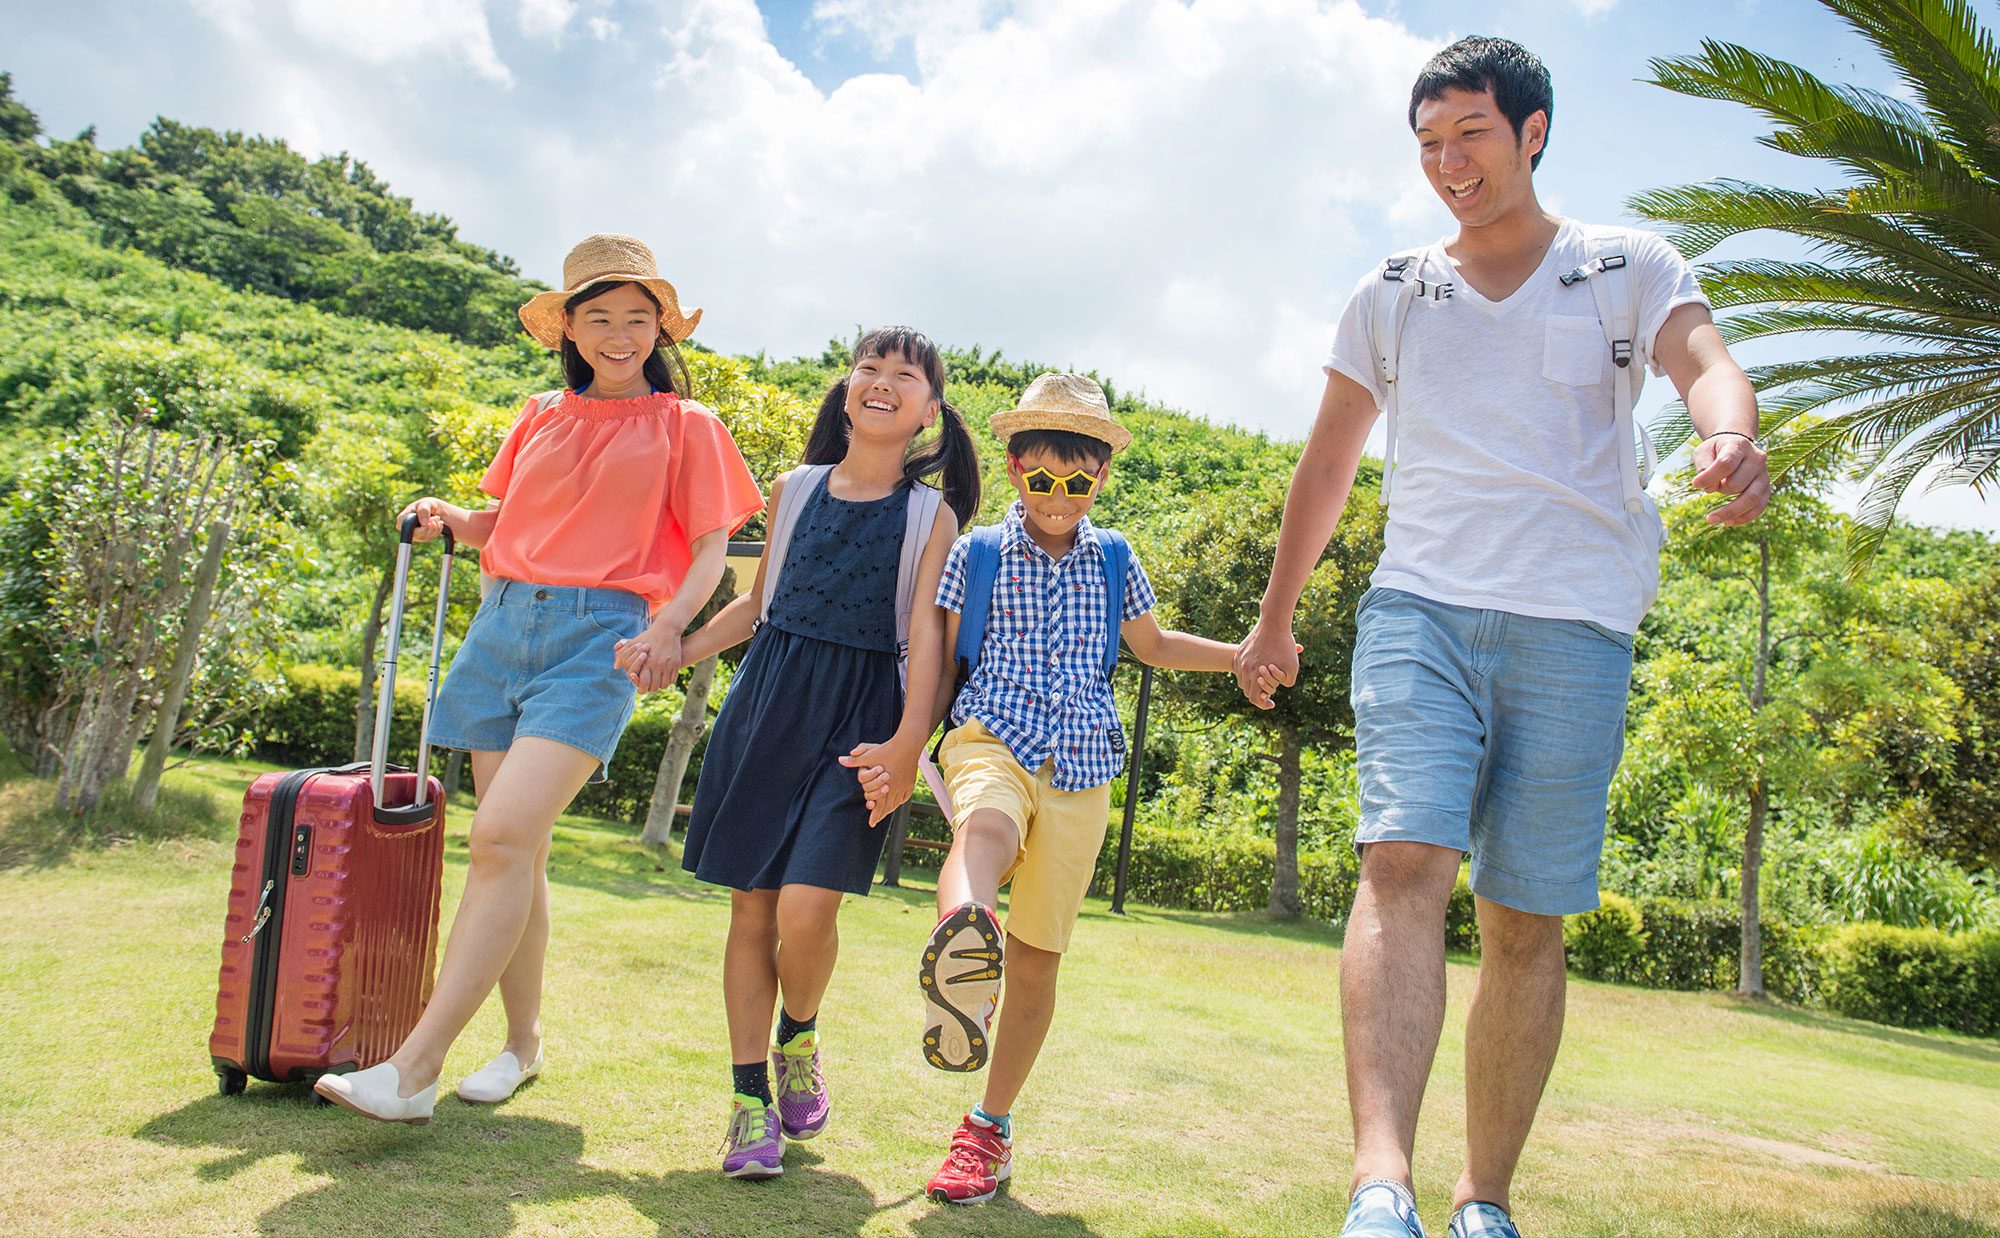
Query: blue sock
[(1003, 1123)]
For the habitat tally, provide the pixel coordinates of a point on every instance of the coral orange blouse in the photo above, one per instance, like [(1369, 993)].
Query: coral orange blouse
[(612, 493)]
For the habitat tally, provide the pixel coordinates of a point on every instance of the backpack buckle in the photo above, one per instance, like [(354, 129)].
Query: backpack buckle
[(1436, 291), (1395, 269), (1572, 278), (1621, 353)]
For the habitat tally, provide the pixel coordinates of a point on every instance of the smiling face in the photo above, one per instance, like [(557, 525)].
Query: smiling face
[(1473, 158), (889, 397), (1054, 515), (614, 332)]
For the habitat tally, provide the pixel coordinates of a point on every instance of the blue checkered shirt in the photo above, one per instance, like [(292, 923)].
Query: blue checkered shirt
[(1040, 685)]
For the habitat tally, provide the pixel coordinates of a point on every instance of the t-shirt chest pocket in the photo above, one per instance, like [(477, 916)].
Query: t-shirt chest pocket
[(1574, 353)]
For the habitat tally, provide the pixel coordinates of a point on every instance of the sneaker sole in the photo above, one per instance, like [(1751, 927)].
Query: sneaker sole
[(805, 1133), (754, 1171), (938, 1194), (969, 934)]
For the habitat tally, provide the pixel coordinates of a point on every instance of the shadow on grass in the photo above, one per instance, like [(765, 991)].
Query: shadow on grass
[(34, 833), (471, 1169), (1255, 923), (1842, 1025), (1917, 1221), (1000, 1215)]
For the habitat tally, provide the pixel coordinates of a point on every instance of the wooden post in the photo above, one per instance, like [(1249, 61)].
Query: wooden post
[(1135, 770), (892, 851)]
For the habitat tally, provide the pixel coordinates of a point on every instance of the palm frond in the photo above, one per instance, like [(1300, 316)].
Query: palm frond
[(1948, 60)]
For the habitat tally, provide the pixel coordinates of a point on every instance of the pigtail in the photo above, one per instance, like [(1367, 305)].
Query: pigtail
[(828, 442), (953, 455)]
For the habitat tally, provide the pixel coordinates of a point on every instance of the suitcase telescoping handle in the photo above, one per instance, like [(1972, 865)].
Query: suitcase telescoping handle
[(420, 809)]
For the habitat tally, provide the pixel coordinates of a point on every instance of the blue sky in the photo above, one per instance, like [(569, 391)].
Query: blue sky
[(1178, 195)]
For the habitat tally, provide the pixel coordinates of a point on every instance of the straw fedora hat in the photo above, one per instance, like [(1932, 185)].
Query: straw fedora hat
[(1064, 402), (606, 257)]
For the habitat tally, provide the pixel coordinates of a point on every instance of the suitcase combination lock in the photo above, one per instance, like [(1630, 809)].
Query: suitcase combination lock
[(301, 850)]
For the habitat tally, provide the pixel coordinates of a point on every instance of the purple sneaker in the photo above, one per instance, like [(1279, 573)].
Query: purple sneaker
[(754, 1147), (803, 1105)]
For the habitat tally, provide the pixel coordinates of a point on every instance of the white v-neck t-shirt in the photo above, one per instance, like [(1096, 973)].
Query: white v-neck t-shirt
[(1508, 492)]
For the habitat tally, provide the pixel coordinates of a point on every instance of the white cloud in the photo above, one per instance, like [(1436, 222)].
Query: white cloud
[(545, 18), (1593, 8), (381, 32)]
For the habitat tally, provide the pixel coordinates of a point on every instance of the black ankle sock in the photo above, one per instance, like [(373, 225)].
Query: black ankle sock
[(752, 1080), (789, 1027)]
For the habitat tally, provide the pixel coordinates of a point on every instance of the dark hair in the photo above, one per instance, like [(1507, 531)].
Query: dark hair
[(664, 369), (1065, 445), (951, 453), (1516, 76)]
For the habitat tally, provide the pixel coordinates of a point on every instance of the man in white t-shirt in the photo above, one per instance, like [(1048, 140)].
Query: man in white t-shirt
[(1494, 651)]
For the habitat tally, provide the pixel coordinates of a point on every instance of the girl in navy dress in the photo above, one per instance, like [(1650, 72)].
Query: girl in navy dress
[(779, 814)]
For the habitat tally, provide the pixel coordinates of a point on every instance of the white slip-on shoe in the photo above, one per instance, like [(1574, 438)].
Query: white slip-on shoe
[(372, 1093), (497, 1080)]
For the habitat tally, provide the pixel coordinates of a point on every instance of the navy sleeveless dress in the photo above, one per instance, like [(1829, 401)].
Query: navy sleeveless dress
[(774, 806)]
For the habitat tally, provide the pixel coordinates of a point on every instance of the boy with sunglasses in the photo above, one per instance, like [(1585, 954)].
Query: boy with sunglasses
[(1033, 745)]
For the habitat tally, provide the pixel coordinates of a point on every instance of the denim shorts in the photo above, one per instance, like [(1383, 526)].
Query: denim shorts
[(538, 661), (1490, 733)]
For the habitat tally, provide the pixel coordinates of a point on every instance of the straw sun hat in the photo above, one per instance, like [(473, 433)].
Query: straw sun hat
[(607, 257), (1064, 402)]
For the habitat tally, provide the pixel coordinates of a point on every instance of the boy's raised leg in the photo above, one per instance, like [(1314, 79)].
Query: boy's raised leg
[(959, 974)]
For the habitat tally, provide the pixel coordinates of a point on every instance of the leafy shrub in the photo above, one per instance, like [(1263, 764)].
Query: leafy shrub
[(1603, 943), (1914, 977), (311, 722)]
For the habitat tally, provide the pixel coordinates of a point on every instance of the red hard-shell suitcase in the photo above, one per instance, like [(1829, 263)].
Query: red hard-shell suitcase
[(331, 937)]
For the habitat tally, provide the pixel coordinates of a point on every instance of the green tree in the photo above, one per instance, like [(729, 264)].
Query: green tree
[(1208, 570), (1791, 693), (1906, 251)]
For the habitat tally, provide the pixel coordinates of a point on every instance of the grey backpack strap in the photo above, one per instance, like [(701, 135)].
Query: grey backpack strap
[(921, 516), (1406, 272), (791, 501), (1617, 297)]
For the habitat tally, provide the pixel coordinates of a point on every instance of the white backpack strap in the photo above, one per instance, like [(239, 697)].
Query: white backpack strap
[(1617, 296), (1405, 271), (798, 488), (920, 517)]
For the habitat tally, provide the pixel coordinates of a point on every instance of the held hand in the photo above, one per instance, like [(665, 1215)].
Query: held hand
[(1267, 659), (1733, 465), (887, 773), (430, 514), (651, 660)]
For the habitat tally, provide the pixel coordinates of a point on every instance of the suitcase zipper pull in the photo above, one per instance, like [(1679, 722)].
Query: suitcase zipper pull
[(263, 912)]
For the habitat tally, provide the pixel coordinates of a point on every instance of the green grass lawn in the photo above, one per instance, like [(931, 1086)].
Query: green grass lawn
[(1192, 1085)]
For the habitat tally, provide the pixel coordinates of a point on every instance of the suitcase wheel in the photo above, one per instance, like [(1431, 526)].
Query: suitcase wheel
[(229, 1081)]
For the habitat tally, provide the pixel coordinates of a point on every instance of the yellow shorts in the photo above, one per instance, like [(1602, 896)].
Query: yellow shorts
[(1061, 831)]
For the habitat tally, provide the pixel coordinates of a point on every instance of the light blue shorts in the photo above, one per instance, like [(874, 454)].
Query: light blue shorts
[(538, 661), (1490, 733)]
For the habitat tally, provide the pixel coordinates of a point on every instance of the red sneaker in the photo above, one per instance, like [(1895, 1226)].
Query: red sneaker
[(981, 1159)]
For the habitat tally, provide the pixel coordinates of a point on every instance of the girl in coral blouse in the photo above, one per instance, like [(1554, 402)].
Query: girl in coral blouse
[(613, 503)]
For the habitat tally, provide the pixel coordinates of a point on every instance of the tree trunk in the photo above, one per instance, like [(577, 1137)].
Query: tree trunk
[(1285, 874), (688, 729), (1750, 955), (364, 709), (681, 740), (454, 768), (168, 719), (1750, 963)]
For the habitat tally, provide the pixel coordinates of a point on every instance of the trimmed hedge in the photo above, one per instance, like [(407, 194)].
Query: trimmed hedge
[(1660, 943), (312, 723), (1914, 977)]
